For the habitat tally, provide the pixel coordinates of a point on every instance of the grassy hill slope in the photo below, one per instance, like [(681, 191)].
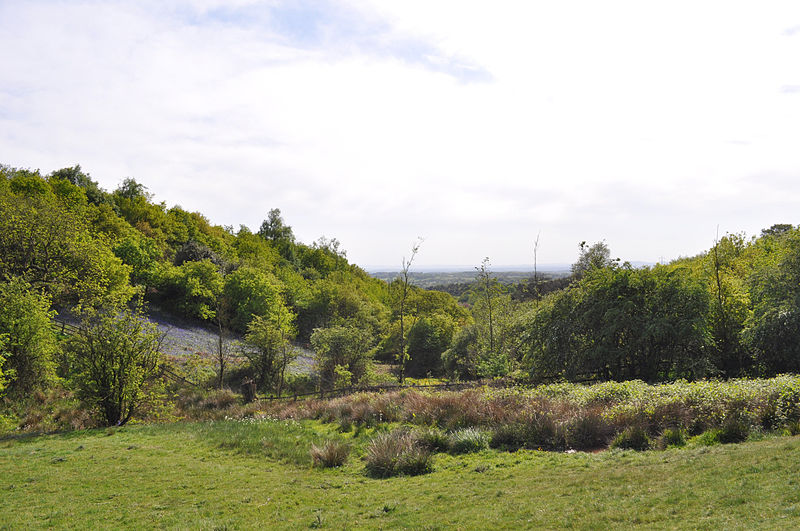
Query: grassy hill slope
[(246, 474)]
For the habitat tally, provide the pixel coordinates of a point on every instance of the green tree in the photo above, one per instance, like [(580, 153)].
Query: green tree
[(343, 349), (114, 355), (271, 350), (252, 292), (274, 230), (29, 344), (49, 245), (428, 338), (193, 288), (595, 256), (773, 330)]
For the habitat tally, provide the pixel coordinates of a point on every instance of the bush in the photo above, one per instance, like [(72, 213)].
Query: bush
[(632, 438), (671, 437), (585, 431), (541, 431), (468, 440), (219, 399), (330, 454), (733, 430), (397, 452), (433, 439), (508, 436), (707, 438)]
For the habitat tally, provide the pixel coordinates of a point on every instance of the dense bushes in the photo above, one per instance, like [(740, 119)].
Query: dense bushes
[(562, 416)]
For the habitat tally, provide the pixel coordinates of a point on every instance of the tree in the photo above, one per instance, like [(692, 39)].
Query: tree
[(428, 338), (114, 355), (402, 356), (341, 350), (251, 292), (28, 347), (268, 336), (489, 288), (191, 288), (49, 245), (274, 230), (773, 330), (621, 323), (731, 303), (591, 257)]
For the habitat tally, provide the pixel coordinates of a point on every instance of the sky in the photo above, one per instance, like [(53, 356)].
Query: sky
[(475, 125)]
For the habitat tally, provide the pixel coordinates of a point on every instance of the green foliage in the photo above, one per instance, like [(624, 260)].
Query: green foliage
[(252, 292), (47, 242), (468, 440), (275, 230), (113, 356), (632, 438), (773, 331), (620, 323), (27, 342), (596, 256), (432, 438), (671, 437), (142, 255), (345, 347), (428, 338), (192, 289), (271, 352), (460, 360)]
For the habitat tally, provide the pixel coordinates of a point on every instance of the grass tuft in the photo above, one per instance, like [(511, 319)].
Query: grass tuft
[(632, 438), (329, 454), (468, 440), (395, 453)]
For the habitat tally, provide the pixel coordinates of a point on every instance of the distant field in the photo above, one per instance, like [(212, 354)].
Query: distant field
[(430, 279), (254, 474)]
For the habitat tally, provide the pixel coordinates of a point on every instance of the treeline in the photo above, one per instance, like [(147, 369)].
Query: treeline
[(729, 312), (68, 245)]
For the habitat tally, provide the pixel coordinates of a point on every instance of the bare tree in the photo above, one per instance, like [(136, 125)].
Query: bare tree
[(404, 291), (223, 351), (535, 263), (484, 276)]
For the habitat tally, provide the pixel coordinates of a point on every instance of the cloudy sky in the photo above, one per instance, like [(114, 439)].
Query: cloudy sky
[(477, 125)]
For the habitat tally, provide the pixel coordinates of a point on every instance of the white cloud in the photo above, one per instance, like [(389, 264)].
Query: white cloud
[(474, 124)]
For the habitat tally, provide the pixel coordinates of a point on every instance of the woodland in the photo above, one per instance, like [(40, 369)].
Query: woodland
[(72, 250)]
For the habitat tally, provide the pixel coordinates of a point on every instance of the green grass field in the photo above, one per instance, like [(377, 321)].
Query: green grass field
[(250, 474)]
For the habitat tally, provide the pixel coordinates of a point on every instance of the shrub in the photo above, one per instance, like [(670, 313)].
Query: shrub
[(397, 452), (733, 430), (468, 440), (632, 438), (433, 439), (671, 437), (541, 431), (508, 436), (584, 431), (219, 399), (330, 454), (707, 438)]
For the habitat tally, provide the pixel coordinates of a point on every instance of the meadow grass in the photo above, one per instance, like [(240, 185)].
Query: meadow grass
[(257, 474)]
